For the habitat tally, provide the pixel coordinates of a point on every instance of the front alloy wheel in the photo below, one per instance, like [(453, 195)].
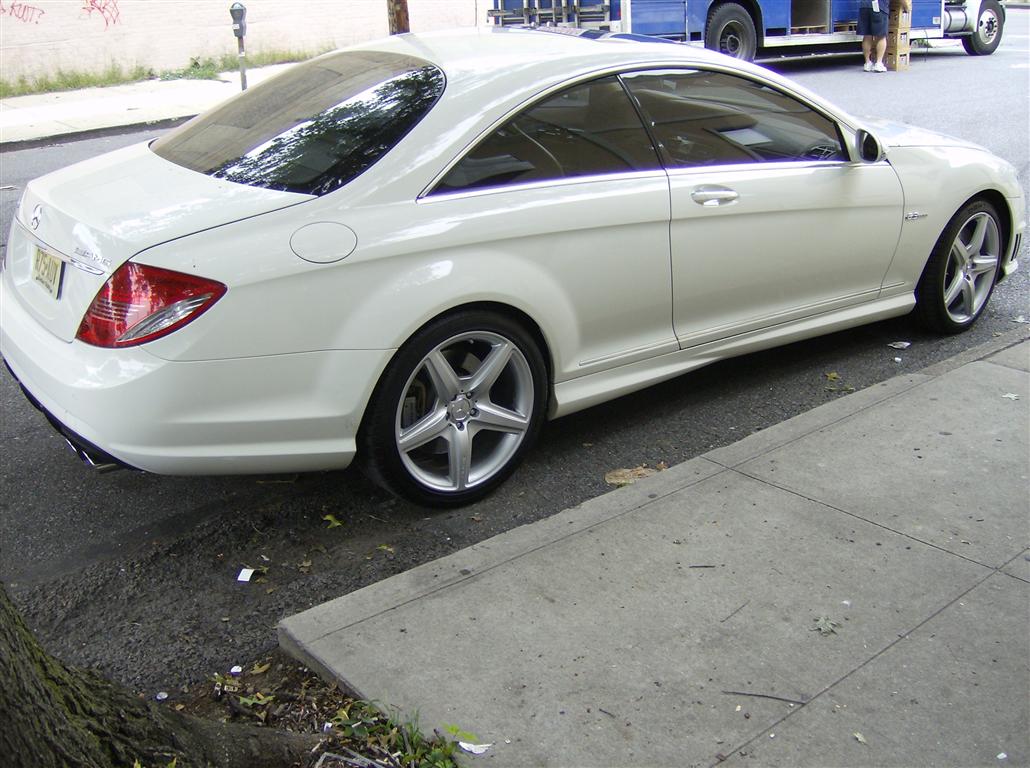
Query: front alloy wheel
[(961, 273), (464, 399)]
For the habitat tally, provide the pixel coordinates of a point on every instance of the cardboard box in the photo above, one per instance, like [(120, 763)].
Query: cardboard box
[(897, 61), (897, 51), (899, 20), (898, 39)]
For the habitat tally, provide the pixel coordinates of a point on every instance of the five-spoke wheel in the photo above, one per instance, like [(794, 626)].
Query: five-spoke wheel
[(456, 410), (962, 270)]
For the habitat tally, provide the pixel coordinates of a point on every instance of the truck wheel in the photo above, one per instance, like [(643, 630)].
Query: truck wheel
[(986, 36), (732, 31)]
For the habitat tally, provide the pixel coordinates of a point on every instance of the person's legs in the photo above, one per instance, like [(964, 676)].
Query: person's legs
[(879, 30), (865, 29)]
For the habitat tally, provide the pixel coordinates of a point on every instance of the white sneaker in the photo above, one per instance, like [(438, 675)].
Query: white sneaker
[(879, 68), (868, 66)]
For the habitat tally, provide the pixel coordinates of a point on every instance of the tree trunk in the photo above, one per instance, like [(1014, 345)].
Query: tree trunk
[(398, 13), (54, 715)]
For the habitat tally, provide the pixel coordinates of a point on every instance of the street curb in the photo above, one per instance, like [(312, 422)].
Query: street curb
[(979, 352)]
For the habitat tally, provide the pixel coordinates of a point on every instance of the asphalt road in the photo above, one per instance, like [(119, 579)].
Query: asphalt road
[(135, 574)]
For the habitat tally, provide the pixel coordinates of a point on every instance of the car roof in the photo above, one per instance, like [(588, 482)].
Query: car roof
[(512, 57)]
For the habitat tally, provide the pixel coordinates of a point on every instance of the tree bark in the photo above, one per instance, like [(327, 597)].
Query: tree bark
[(397, 11), (52, 716)]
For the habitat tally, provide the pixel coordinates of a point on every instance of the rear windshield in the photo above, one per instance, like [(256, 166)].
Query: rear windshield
[(313, 128)]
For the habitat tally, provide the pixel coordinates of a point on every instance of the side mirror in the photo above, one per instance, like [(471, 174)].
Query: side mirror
[(869, 148)]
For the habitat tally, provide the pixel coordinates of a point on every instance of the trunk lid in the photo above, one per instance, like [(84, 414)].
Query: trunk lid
[(94, 216)]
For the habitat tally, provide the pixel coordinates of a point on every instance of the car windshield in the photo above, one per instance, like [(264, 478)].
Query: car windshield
[(312, 129)]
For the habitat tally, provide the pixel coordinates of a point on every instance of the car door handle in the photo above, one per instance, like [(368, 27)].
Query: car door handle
[(711, 195)]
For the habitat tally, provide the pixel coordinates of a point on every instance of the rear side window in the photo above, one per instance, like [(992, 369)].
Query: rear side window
[(588, 129), (313, 128)]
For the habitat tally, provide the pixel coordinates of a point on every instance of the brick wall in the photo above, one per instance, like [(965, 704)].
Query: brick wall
[(41, 36)]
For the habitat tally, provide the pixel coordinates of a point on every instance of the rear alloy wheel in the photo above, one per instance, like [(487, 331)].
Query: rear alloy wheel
[(456, 410), (732, 31), (986, 36), (963, 268)]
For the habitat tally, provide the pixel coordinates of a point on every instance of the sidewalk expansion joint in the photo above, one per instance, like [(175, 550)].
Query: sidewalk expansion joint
[(901, 636), (857, 516)]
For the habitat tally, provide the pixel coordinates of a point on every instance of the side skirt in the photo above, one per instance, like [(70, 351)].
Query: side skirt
[(585, 391)]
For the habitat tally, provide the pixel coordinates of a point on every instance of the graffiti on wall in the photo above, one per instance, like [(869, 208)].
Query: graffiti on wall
[(31, 14), (23, 12), (106, 9)]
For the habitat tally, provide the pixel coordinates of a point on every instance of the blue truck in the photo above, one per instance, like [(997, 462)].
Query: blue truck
[(748, 28)]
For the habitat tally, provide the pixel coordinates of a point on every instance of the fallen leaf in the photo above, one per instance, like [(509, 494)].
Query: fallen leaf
[(621, 477), (333, 522), (260, 669), (832, 376), (825, 626), (385, 548)]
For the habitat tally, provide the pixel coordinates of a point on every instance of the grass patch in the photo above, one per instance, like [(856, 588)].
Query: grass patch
[(69, 81), (206, 68)]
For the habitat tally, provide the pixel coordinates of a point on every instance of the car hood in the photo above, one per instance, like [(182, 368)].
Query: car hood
[(892, 134), (98, 214)]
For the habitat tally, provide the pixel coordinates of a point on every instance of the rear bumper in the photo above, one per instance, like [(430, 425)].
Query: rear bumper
[(88, 453), (281, 413)]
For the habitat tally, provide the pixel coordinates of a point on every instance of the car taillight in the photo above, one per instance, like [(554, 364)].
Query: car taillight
[(138, 304)]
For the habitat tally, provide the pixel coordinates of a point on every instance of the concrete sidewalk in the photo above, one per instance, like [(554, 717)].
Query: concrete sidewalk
[(67, 113), (850, 587)]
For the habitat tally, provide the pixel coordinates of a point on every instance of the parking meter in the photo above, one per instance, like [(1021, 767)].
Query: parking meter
[(239, 19), (239, 28)]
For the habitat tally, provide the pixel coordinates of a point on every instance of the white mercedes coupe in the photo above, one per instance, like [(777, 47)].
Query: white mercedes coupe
[(413, 251)]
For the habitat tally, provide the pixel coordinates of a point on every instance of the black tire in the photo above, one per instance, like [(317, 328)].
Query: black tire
[(986, 35), (962, 271), (467, 423), (731, 30)]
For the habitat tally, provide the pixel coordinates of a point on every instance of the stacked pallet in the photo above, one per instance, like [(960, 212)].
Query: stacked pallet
[(899, 31)]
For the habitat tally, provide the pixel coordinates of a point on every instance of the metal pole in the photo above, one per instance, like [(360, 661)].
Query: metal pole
[(243, 64)]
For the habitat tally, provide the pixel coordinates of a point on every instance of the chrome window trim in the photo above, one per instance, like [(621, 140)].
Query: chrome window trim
[(657, 173)]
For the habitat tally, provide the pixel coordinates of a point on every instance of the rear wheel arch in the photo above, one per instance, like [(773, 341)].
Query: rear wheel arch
[(395, 456)]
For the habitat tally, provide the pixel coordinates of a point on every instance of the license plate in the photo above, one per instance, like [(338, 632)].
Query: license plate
[(47, 270)]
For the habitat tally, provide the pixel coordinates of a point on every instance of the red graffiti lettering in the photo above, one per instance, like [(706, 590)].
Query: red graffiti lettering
[(27, 14), (108, 10)]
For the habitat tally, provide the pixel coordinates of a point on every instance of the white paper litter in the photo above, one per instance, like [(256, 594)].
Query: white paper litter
[(474, 749), (245, 574), (900, 344)]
